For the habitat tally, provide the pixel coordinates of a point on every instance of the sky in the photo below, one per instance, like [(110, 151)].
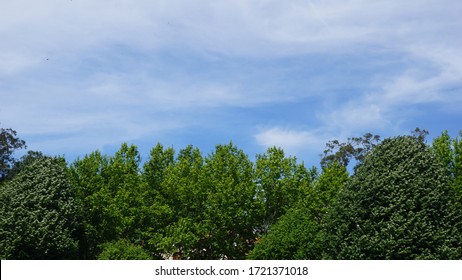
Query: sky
[(84, 75)]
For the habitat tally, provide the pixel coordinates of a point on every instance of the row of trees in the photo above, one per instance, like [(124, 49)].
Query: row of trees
[(403, 201)]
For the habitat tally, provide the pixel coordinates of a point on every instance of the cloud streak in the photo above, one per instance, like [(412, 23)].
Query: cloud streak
[(289, 73)]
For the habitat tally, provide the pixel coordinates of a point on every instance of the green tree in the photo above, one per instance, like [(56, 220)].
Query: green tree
[(325, 191), (123, 250), (23, 162), (125, 192), (299, 233), (355, 148), (183, 193), (113, 199), (38, 213), (88, 178), (449, 152), (155, 168), (396, 206), (214, 204), (281, 183), (296, 235), (233, 210), (157, 211), (9, 143), (457, 170)]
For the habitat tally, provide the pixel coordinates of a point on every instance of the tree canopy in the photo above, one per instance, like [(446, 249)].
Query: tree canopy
[(38, 213), (402, 201), (396, 206), (9, 143)]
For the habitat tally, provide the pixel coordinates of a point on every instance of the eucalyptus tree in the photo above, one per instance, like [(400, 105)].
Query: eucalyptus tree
[(9, 143)]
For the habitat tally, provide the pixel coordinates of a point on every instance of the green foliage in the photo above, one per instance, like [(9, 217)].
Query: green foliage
[(396, 206), (9, 143), (154, 170), (89, 179), (449, 152), (116, 203), (214, 203), (457, 170), (233, 208), (38, 213), (355, 148), (325, 191), (281, 183), (23, 162), (404, 202), (296, 235), (122, 250), (299, 233), (183, 193)]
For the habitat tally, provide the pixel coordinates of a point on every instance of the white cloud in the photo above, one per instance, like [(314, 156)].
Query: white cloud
[(119, 95), (354, 117), (292, 141), (230, 27)]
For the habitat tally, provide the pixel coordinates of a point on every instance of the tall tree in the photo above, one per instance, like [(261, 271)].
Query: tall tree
[(325, 191), (299, 233), (38, 213), (155, 168), (9, 143), (281, 182), (233, 209), (183, 193), (449, 152), (113, 199), (396, 206), (356, 148), (158, 211), (89, 178)]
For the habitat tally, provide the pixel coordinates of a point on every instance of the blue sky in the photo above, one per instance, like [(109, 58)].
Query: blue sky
[(81, 75)]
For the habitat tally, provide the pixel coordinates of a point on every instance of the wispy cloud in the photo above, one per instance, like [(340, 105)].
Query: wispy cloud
[(293, 141), (312, 70)]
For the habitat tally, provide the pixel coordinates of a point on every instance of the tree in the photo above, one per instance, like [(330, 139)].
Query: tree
[(355, 148), (24, 161), (325, 191), (88, 178), (154, 170), (396, 206), (38, 213), (182, 192), (281, 183), (9, 143), (123, 250), (157, 211), (299, 233), (233, 209), (449, 152), (113, 199), (457, 170), (296, 235), (419, 134)]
